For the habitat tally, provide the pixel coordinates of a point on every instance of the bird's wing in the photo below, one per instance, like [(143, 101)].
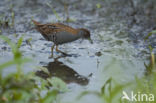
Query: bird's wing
[(58, 27), (48, 29)]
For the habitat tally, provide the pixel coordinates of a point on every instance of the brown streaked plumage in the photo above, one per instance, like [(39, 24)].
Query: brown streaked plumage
[(60, 33)]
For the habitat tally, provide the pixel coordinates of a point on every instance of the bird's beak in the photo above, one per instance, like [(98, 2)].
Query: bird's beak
[(90, 40)]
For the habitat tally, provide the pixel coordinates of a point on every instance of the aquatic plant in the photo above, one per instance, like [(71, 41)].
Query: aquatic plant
[(109, 91), (68, 19), (150, 34), (98, 5), (136, 91), (151, 66), (55, 13)]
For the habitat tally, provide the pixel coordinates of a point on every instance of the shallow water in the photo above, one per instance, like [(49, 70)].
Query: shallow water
[(113, 53)]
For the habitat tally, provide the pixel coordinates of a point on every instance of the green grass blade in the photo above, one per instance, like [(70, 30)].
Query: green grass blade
[(54, 11), (149, 34)]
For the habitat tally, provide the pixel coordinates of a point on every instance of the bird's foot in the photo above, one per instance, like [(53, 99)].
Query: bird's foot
[(60, 51), (65, 54)]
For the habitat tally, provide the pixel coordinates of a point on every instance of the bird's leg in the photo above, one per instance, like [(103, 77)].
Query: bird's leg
[(52, 48), (60, 50)]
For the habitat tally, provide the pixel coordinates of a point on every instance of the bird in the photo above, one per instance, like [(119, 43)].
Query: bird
[(60, 33)]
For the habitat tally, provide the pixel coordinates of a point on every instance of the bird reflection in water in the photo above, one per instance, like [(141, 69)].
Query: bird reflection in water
[(64, 72)]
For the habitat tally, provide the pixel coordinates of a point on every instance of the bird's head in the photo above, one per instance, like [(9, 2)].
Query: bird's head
[(85, 34)]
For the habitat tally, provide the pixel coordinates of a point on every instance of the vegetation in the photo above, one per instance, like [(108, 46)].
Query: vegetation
[(68, 19), (18, 87)]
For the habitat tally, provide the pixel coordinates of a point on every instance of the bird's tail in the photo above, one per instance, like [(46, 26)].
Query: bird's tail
[(35, 22)]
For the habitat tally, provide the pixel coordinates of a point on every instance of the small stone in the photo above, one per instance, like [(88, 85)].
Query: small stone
[(98, 53)]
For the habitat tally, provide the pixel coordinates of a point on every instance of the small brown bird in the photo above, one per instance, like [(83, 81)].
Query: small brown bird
[(60, 33)]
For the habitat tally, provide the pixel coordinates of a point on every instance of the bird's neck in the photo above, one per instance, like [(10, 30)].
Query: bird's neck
[(80, 33)]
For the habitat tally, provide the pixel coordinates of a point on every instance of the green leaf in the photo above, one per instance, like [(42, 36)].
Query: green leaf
[(17, 95), (98, 5), (7, 80), (50, 97), (88, 93), (19, 43), (108, 82), (149, 34), (118, 89), (44, 69), (150, 47), (58, 84)]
